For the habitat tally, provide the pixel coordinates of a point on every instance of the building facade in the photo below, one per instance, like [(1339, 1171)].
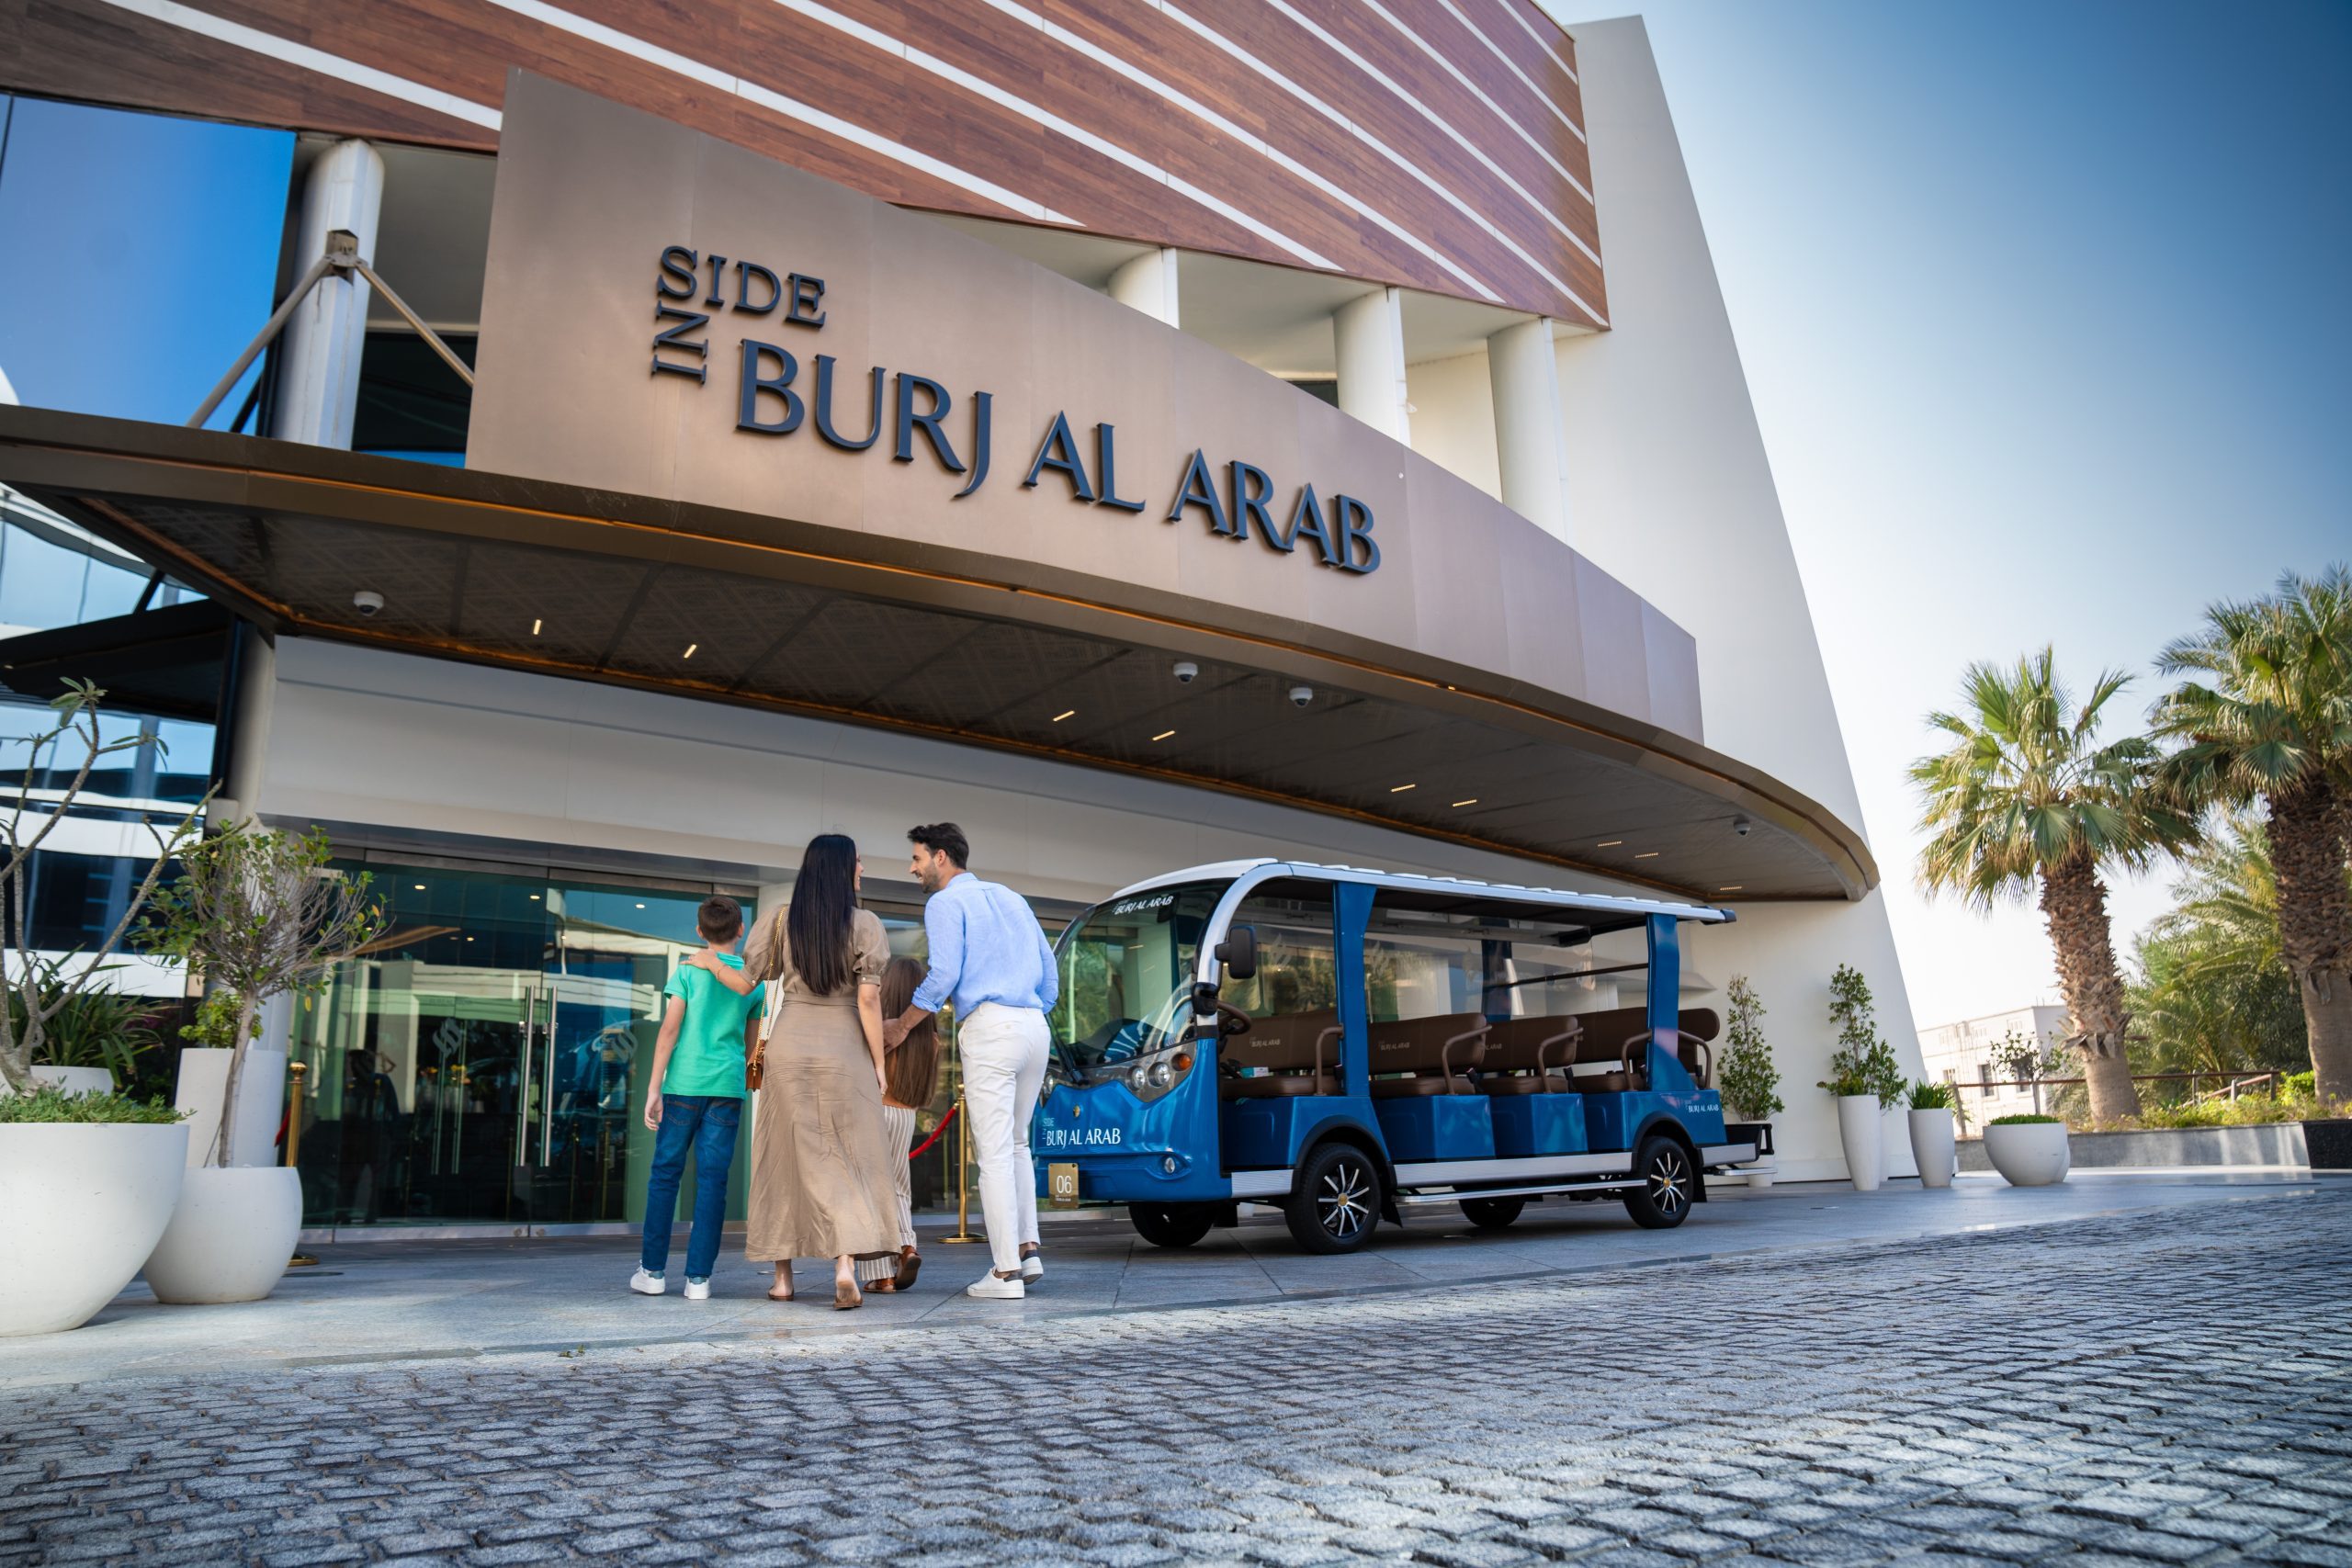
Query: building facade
[(1979, 1055), (1145, 436)]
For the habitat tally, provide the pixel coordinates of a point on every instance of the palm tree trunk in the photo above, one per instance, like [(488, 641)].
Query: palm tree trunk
[(2307, 850), (2074, 905)]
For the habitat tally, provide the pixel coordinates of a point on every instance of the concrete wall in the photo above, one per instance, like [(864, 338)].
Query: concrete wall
[(1454, 417), (1669, 488)]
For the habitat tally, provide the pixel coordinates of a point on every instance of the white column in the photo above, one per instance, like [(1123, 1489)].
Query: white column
[(318, 375), (1369, 332), (1147, 283), (1527, 445)]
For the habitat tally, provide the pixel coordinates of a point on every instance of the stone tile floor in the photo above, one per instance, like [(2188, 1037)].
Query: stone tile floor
[(2159, 1384)]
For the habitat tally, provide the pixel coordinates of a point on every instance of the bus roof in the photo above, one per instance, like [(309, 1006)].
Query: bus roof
[(1233, 870)]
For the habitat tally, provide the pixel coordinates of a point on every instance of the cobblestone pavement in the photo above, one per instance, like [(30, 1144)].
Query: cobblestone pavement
[(2165, 1388)]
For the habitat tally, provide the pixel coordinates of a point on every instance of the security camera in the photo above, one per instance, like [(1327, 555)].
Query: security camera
[(368, 601), (1301, 695), (1740, 824), (1186, 670)]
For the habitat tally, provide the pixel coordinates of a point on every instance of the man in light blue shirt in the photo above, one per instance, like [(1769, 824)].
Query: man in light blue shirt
[(990, 956)]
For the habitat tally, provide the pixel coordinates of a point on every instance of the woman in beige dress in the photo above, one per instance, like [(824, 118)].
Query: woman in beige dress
[(821, 1183)]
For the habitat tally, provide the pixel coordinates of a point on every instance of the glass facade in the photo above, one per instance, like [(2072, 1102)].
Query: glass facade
[(485, 1060)]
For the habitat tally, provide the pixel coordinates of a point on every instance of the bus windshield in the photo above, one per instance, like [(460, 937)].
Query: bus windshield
[(1126, 972)]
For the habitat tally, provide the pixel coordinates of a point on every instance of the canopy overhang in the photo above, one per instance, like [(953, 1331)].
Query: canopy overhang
[(702, 602)]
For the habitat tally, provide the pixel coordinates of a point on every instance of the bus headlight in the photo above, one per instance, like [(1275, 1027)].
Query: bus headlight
[(1161, 1074)]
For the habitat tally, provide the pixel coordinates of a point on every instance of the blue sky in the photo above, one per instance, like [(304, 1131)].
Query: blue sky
[(2044, 311)]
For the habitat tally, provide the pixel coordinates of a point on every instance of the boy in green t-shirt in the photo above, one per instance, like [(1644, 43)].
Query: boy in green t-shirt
[(694, 1100)]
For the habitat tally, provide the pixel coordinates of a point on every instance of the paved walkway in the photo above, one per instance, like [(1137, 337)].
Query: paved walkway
[(383, 1301), (2169, 1382)]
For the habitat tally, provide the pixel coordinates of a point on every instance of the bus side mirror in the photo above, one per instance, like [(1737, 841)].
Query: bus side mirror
[(1239, 952)]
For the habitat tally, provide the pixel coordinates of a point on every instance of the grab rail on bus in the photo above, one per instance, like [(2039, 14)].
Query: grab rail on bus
[(1706, 1055)]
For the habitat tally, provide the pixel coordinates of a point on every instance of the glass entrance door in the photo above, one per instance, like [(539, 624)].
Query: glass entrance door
[(484, 1062)]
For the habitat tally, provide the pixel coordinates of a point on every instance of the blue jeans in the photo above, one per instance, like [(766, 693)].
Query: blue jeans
[(707, 1124)]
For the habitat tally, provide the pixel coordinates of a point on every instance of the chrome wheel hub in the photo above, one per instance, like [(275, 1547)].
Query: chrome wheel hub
[(1345, 1202), (1669, 1179)]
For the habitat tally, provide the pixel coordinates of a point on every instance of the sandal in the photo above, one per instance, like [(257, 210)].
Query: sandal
[(847, 1296), (909, 1265), (880, 1287)]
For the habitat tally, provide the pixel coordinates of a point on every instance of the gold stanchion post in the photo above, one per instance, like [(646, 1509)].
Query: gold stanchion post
[(963, 1159), (295, 1071)]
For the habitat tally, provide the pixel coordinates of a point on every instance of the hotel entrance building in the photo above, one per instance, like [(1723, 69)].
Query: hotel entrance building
[(1147, 435)]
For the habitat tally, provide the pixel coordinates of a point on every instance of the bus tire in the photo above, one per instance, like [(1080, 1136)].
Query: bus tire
[(1334, 1203), (1669, 1183), (1170, 1224), (1492, 1214)]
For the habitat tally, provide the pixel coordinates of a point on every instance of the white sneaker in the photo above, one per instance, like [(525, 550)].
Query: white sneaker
[(990, 1287), (646, 1284), (698, 1290), (1032, 1269)]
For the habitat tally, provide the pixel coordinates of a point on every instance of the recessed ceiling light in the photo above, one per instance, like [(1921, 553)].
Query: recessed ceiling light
[(1065, 712), (469, 938), (534, 898), (690, 650), (1731, 887), (1648, 855), (1401, 789), (535, 626), (1163, 735), (641, 906), (1471, 801), (420, 888), (1609, 843)]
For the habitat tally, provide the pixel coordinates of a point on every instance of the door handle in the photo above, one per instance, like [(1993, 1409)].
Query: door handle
[(547, 1093), (529, 1035)]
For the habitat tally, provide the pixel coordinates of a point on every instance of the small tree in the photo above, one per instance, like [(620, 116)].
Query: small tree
[(255, 913), (1863, 1063), (40, 990), (1750, 1081)]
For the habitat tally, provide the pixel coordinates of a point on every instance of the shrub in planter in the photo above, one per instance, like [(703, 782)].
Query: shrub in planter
[(256, 912), (91, 1181), (1864, 1077), (1746, 1076), (2028, 1150), (1935, 1110)]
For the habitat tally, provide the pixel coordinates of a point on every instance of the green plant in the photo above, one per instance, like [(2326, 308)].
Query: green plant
[(2270, 719), (2210, 990), (2021, 1119), (1929, 1095), (215, 1024), (91, 1029), (42, 988), (257, 912), (2026, 797), (50, 1103), (1747, 1076), (1863, 1063), (2299, 1086)]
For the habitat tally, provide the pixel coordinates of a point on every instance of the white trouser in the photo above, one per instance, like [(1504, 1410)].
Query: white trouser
[(899, 1123), (1004, 1052)]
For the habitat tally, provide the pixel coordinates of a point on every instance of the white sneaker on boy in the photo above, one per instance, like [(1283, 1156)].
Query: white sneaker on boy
[(698, 1290), (646, 1284)]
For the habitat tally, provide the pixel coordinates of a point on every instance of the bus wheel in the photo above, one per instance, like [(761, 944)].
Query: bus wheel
[(1492, 1214), (1335, 1201), (1663, 1200), (1170, 1224)]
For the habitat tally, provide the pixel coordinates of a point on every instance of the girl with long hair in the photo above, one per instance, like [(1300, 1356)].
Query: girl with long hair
[(911, 1075), (821, 1164)]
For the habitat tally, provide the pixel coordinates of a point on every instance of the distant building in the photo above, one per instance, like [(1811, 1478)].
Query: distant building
[(1969, 1054)]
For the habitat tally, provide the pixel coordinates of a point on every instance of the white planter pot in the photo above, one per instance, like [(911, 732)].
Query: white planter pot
[(230, 1237), (2030, 1153), (261, 1095), (1760, 1175), (1935, 1147), (1858, 1124), (85, 1202), (76, 1080)]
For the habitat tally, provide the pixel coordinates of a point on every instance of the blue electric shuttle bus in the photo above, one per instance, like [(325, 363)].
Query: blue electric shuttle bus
[(1348, 1045)]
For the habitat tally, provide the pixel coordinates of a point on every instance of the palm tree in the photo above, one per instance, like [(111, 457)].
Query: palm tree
[(2026, 796), (2272, 720)]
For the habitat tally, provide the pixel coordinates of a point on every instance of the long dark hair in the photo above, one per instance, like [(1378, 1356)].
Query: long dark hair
[(914, 1067), (824, 903)]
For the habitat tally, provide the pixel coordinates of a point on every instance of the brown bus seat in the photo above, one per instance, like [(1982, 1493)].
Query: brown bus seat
[(1433, 1048), (1299, 1051)]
